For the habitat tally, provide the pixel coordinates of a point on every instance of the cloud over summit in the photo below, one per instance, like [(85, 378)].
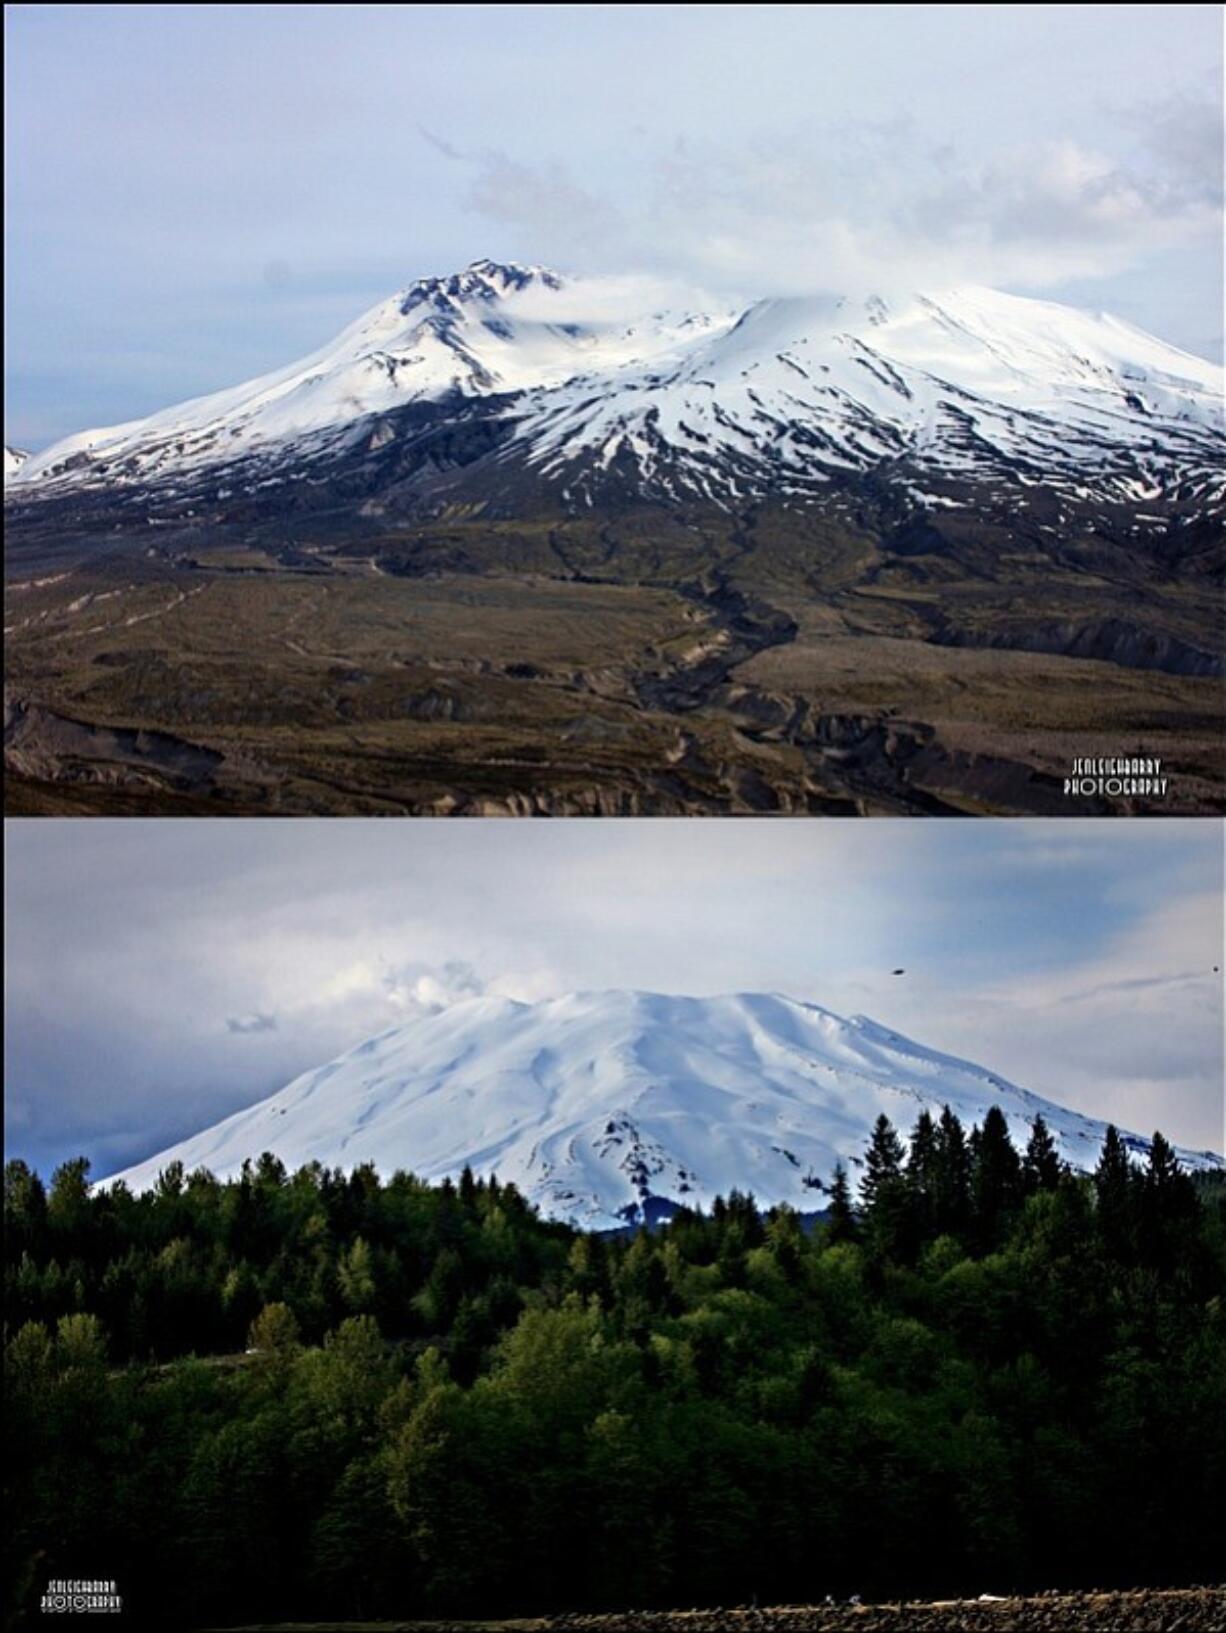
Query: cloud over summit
[(864, 205)]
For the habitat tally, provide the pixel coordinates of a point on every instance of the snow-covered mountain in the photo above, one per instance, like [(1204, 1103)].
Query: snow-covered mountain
[(581, 393), (595, 1104), (14, 459), (490, 330)]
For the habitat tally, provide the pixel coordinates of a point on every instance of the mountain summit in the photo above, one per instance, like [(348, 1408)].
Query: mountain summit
[(511, 385), (609, 1107)]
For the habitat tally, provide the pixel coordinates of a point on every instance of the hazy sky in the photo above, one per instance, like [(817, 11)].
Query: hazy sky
[(164, 973), (195, 194)]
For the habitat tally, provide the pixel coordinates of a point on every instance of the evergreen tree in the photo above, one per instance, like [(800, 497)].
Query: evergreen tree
[(25, 1210), (468, 1189), (588, 1267), (439, 1299), (1115, 1187), (643, 1280), (68, 1205), (274, 1331), (841, 1222), (953, 1177), (1041, 1165), (1167, 1209), (921, 1177), (882, 1189), (882, 1165), (785, 1241), (995, 1179), (356, 1276)]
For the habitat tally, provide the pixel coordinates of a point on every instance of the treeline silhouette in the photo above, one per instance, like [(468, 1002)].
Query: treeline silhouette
[(319, 1394)]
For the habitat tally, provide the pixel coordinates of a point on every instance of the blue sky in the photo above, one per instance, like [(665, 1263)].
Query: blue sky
[(163, 974), (195, 194)]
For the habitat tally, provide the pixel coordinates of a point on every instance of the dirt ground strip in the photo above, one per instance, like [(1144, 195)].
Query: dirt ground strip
[(1177, 1610)]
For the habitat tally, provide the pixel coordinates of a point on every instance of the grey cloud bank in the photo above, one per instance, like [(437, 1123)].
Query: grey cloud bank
[(197, 194), (162, 975)]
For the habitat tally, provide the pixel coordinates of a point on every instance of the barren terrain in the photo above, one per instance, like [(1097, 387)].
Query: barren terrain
[(654, 664)]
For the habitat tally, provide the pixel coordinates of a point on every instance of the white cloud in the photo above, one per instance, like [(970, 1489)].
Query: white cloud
[(418, 989), (867, 206)]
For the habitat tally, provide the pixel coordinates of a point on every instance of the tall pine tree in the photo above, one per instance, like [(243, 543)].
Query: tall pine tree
[(841, 1222), (995, 1180), (1041, 1166), (1116, 1193), (882, 1189), (920, 1184), (952, 1177), (1167, 1208)]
